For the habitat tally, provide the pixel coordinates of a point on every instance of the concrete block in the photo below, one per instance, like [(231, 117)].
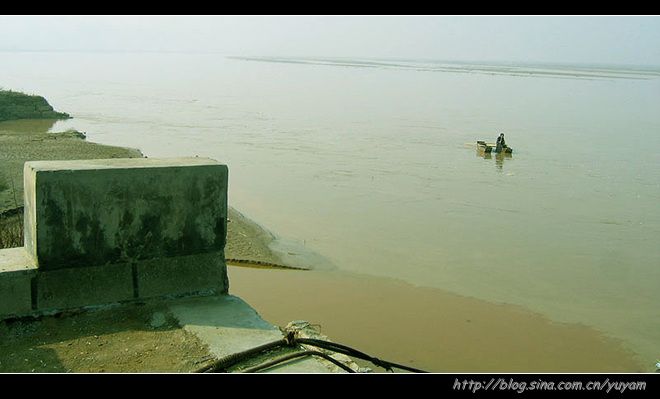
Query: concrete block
[(16, 273), (94, 212), (183, 275), (77, 287)]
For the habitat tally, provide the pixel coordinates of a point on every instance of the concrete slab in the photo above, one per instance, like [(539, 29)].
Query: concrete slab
[(229, 325), (94, 212), (16, 273), (226, 323), (183, 275), (78, 287), (304, 365), (16, 261), (121, 163)]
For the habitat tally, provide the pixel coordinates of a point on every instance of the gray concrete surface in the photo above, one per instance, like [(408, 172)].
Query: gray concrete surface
[(111, 230), (182, 275), (93, 212), (16, 273), (228, 325), (79, 287)]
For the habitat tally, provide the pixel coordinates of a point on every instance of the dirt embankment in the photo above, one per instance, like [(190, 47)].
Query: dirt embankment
[(26, 140), (127, 338), (29, 140)]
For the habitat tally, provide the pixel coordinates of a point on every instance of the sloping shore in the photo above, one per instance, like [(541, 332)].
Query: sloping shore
[(25, 140), (248, 242)]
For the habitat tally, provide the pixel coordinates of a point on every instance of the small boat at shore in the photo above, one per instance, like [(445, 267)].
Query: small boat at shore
[(491, 147)]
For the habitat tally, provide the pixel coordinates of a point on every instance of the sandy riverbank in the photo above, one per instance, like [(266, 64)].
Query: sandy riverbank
[(424, 327), (133, 338), (24, 140), (428, 328)]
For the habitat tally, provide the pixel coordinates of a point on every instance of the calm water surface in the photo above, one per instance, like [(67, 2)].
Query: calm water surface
[(373, 168)]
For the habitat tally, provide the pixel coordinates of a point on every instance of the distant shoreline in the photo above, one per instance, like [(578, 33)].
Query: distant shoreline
[(558, 71)]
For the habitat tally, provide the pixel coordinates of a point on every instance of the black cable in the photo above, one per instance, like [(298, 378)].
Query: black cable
[(223, 364), (339, 348), (346, 350), (228, 361), (296, 355)]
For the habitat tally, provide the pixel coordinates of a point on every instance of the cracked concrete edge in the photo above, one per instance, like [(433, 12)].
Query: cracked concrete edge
[(228, 325)]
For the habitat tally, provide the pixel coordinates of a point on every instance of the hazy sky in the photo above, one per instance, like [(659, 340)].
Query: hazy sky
[(619, 40)]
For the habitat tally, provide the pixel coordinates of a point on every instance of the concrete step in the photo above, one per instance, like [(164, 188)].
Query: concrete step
[(17, 270)]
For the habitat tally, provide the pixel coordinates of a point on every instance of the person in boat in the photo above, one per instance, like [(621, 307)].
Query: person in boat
[(501, 144)]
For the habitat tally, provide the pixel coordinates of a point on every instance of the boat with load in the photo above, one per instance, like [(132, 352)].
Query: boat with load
[(492, 147)]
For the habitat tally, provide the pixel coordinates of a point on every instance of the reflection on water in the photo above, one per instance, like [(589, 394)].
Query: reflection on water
[(499, 157), (28, 125)]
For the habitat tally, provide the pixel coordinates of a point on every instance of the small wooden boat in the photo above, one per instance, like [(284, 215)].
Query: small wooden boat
[(491, 147)]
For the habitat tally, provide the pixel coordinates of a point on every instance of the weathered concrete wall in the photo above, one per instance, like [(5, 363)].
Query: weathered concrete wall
[(198, 273), (73, 288), (88, 213), (102, 231)]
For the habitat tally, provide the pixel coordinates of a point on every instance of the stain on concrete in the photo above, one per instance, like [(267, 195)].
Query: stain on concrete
[(89, 217)]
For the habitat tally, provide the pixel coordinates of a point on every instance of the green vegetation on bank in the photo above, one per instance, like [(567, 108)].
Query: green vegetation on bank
[(15, 105), (25, 122)]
